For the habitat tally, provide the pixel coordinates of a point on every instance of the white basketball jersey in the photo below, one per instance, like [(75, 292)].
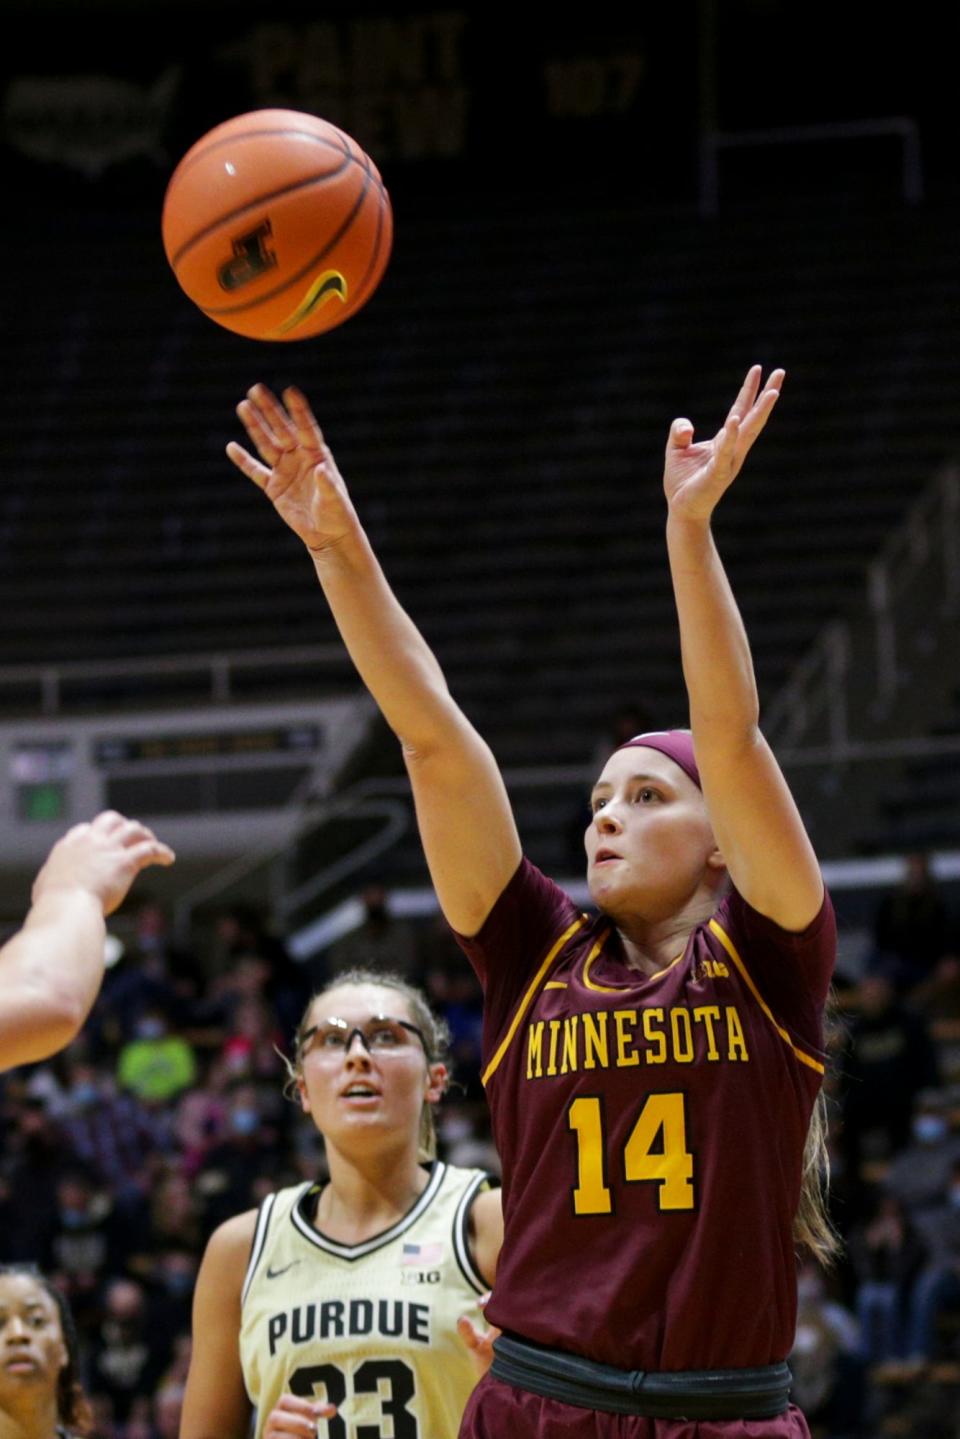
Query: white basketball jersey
[(369, 1327)]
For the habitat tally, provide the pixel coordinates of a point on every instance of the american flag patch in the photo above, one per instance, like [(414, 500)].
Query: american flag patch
[(422, 1254)]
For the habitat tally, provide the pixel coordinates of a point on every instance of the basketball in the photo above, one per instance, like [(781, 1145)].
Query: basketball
[(277, 225)]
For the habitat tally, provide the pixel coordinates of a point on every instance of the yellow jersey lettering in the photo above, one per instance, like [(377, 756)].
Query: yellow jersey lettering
[(568, 1059), (595, 1049), (656, 1052), (736, 1040), (552, 1054), (681, 1033), (621, 1018), (705, 1014), (535, 1050)]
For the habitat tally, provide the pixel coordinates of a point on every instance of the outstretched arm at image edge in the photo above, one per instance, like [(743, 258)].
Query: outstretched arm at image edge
[(756, 822), (52, 968)]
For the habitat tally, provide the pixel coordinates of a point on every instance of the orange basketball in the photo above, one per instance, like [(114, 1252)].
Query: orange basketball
[(277, 225)]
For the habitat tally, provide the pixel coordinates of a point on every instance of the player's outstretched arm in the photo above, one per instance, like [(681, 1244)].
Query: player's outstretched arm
[(50, 971), (215, 1403), (465, 820), (755, 820)]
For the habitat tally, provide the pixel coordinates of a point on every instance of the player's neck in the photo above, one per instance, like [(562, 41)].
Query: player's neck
[(34, 1418), (651, 946), (368, 1193)]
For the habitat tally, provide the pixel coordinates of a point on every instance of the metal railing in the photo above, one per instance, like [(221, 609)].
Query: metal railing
[(218, 671), (819, 689)]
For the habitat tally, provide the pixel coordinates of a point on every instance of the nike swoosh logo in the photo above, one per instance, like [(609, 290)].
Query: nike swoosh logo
[(331, 282), (275, 1273)]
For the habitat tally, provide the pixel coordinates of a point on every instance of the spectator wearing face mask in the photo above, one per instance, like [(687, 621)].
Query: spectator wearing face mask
[(920, 1173), (937, 1291), (112, 1134), (92, 1239), (156, 1065), (250, 1147)]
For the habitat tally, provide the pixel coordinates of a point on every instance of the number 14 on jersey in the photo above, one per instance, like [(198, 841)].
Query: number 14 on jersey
[(655, 1153)]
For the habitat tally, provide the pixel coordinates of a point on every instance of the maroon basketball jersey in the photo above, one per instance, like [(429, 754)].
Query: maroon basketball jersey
[(651, 1128)]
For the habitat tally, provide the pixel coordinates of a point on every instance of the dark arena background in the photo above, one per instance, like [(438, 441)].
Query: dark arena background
[(600, 223)]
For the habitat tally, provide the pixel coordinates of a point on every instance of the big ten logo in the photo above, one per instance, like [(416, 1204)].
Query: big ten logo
[(419, 1276), (397, 85), (585, 86), (715, 969)]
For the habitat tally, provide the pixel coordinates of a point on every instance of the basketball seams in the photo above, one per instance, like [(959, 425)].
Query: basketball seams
[(359, 296), (305, 269), (231, 215), (191, 158)]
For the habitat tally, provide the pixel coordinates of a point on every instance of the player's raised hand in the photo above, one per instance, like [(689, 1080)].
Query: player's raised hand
[(103, 857), (695, 475), (478, 1341), (298, 473), (296, 1418)]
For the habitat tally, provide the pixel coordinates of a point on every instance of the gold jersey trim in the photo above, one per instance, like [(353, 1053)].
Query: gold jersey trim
[(527, 999), (642, 977), (731, 949)]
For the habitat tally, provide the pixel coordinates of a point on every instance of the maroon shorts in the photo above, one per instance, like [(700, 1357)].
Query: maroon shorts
[(499, 1411)]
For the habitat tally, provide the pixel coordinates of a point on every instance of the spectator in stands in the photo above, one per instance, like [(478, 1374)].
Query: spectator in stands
[(382, 942), (111, 1134), (168, 1409), (250, 1148), (937, 1291), (920, 1173), (156, 1064), (176, 1217), (828, 1372), (250, 1048), (888, 1255), (130, 1352), (93, 1236), (242, 934), (889, 1059), (32, 1164), (911, 930), (40, 1390), (51, 969)]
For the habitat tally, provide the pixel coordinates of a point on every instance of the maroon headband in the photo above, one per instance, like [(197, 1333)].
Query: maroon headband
[(676, 744)]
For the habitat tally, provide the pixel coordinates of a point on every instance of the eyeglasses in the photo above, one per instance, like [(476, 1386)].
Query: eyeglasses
[(380, 1034)]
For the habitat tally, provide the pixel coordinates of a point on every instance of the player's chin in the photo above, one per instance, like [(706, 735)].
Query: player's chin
[(603, 887)]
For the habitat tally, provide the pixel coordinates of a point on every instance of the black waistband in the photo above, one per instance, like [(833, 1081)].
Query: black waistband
[(689, 1394)]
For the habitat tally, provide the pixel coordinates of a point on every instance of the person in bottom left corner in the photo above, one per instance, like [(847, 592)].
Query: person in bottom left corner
[(41, 1396), (353, 1306)]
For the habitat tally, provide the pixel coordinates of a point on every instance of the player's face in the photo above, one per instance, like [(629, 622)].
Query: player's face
[(366, 1087), (32, 1348), (649, 842)]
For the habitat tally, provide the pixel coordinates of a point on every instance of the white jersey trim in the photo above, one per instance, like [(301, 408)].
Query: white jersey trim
[(259, 1241), (461, 1243), (357, 1251)]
